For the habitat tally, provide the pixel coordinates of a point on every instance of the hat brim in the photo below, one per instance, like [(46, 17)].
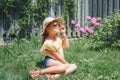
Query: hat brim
[(60, 20)]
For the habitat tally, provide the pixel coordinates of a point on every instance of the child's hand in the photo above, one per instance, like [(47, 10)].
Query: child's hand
[(62, 29)]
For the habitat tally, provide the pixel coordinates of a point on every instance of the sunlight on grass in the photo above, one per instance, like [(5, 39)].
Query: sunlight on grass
[(17, 59)]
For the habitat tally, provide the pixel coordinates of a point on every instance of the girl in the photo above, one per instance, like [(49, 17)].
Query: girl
[(52, 48)]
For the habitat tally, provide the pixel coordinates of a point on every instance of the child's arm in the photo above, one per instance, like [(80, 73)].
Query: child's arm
[(57, 56), (65, 41)]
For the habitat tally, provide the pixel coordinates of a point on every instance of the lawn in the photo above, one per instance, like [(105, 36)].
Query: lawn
[(18, 58)]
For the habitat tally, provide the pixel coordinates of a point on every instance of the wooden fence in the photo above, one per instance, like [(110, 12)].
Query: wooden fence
[(94, 8)]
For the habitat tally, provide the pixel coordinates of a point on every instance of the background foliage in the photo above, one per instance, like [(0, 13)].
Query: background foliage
[(31, 13), (108, 33)]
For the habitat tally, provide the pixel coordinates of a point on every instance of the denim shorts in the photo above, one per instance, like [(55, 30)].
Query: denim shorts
[(47, 60)]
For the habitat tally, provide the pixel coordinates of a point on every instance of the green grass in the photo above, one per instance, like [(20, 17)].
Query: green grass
[(17, 59)]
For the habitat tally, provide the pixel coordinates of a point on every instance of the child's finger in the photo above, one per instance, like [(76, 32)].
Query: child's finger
[(63, 28)]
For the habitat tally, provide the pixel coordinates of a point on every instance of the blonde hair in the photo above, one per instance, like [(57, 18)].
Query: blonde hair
[(44, 36)]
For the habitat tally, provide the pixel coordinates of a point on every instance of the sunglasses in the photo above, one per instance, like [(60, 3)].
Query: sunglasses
[(56, 24)]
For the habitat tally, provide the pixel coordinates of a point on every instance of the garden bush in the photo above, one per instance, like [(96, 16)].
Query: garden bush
[(101, 32), (108, 33)]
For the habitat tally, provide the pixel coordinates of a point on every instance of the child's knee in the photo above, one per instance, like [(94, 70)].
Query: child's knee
[(62, 68)]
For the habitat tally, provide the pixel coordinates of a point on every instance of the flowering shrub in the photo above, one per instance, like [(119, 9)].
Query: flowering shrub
[(101, 32), (107, 34), (88, 28)]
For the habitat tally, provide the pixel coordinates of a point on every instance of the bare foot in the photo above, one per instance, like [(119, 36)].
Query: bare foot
[(34, 73), (52, 76)]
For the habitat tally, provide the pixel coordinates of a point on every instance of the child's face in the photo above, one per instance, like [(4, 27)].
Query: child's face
[(53, 27)]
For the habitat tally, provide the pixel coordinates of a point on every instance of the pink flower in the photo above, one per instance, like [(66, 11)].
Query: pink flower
[(91, 30), (77, 25), (76, 28), (87, 28), (94, 20), (96, 24), (73, 22), (82, 30), (88, 17)]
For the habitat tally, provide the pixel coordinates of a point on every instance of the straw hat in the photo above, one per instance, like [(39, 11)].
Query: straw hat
[(48, 20)]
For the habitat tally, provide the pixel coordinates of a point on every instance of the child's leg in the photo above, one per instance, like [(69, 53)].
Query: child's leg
[(54, 67), (70, 69)]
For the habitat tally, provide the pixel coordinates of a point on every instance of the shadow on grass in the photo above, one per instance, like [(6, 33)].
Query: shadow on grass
[(40, 64)]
